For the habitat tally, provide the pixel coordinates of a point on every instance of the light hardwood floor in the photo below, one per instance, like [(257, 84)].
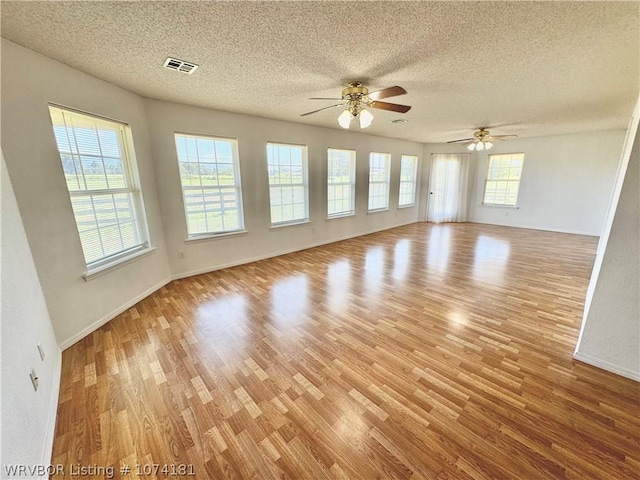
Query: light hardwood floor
[(426, 351)]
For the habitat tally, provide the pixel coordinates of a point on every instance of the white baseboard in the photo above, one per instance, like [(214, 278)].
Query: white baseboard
[(53, 411), (244, 261), (608, 366), (544, 229), (110, 316)]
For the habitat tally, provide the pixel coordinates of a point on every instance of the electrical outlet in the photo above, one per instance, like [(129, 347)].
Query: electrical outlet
[(34, 379), (41, 351), (182, 254)]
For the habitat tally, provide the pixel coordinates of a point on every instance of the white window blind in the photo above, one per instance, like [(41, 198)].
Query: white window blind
[(408, 174), (341, 182), (106, 201), (379, 169), (210, 177), (288, 191), (503, 179)]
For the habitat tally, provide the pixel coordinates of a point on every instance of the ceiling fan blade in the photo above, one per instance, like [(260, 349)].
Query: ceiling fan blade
[(392, 107), (504, 136), (386, 93), (324, 98), (320, 109), (461, 140)]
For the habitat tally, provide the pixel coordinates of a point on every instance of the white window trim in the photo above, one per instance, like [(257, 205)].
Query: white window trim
[(215, 236), (343, 215), (377, 210), (351, 183), (497, 205), (414, 182), (106, 264), (280, 225), (238, 187), (386, 182), (486, 179), (304, 184)]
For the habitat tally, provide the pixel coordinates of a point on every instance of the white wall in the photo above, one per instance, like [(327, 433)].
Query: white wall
[(610, 335), (253, 133), (566, 182), (28, 417), (29, 82)]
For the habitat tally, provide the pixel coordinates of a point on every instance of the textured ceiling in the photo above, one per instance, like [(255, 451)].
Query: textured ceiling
[(531, 68)]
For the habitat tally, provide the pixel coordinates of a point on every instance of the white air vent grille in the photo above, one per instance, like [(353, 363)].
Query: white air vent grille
[(180, 65)]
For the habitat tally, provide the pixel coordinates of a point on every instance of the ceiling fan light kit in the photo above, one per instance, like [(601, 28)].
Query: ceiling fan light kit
[(479, 146), (358, 101), (482, 140)]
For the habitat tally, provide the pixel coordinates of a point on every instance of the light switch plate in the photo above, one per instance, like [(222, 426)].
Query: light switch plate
[(41, 351)]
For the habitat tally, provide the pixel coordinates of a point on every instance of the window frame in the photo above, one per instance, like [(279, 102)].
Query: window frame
[(132, 187), (386, 182), (351, 183), (486, 180), (413, 182), (304, 184), (235, 155)]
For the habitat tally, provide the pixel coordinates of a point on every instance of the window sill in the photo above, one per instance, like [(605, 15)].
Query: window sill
[(121, 262), (377, 210), (344, 215), (497, 205), (406, 206), (289, 224), (215, 236)]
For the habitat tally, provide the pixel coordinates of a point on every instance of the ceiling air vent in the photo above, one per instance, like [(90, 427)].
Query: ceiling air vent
[(180, 65)]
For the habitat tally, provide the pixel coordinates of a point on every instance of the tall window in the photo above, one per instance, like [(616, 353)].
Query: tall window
[(341, 182), (106, 201), (288, 186), (210, 176), (379, 167), (408, 173), (503, 179)]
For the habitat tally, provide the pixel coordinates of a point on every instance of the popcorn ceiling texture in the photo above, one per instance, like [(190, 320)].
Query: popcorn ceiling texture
[(531, 68)]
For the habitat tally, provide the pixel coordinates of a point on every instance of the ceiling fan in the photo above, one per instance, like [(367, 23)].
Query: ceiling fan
[(358, 100), (482, 139)]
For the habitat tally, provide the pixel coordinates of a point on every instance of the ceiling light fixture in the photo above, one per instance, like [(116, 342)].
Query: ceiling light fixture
[(355, 110), (480, 145)]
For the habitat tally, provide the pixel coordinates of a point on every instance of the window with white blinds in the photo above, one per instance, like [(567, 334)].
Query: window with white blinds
[(408, 174), (502, 183), (106, 200), (379, 169), (210, 177), (341, 182), (288, 191)]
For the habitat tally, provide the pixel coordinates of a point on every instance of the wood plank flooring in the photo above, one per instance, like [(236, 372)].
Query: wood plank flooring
[(426, 351)]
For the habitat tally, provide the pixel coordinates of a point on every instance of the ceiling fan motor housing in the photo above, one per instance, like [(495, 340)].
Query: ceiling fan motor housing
[(354, 90), (481, 134), (356, 95)]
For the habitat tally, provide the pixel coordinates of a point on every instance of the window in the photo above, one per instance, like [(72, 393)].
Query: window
[(288, 187), (379, 164), (210, 177), (503, 179), (341, 183), (106, 201), (408, 172)]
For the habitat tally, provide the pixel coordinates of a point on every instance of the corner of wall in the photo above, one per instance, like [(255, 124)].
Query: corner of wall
[(611, 322)]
